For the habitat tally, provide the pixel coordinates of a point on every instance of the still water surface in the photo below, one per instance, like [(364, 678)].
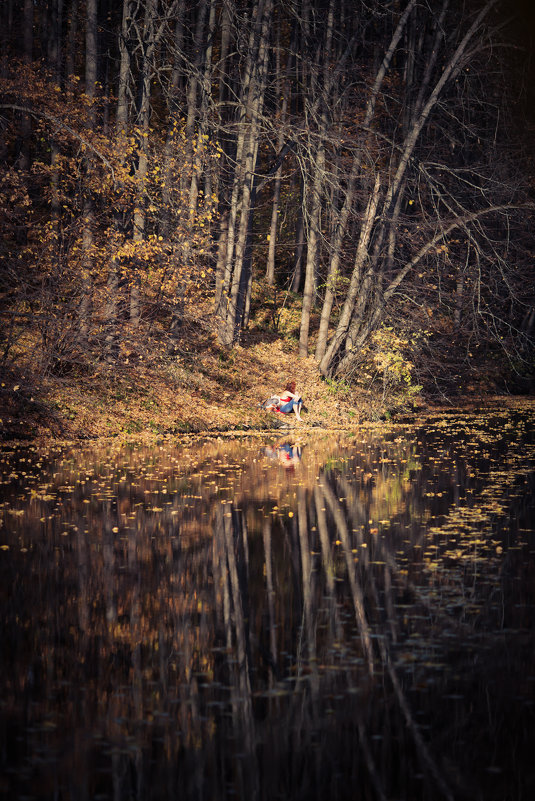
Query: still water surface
[(337, 616)]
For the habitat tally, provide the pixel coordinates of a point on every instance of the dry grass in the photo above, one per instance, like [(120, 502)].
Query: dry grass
[(200, 387)]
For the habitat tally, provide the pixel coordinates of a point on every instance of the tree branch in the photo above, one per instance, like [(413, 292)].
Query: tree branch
[(56, 121)]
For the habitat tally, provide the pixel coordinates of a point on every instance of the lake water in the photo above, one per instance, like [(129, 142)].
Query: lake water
[(318, 616)]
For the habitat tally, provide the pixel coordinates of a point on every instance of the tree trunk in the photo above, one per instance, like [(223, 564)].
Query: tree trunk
[(362, 328), (91, 73), (299, 246), (193, 112), (70, 51), (314, 220), (26, 122), (173, 103), (6, 33), (110, 312), (154, 26), (139, 217), (285, 90), (238, 232), (352, 323), (314, 226), (124, 86), (355, 170), (354, 286)]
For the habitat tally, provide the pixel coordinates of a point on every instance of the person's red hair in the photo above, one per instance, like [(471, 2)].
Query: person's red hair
[(290, 387)]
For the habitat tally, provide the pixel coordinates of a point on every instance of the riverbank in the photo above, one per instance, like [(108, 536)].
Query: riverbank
[(203, 389)]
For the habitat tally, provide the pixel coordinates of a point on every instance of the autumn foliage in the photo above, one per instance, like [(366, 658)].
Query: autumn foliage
[(71, 254), (168, 165)]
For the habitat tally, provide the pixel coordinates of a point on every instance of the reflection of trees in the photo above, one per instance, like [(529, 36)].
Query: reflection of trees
[(229, 566), (356, 590), (256, 640)]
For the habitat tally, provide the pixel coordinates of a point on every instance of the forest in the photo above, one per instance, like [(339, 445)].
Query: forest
[(201, 202), (352, 179)]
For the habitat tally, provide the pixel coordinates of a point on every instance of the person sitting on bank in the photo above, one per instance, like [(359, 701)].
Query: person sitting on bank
[(286, 401)]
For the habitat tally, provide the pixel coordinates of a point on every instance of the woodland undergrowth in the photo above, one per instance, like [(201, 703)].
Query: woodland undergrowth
[(192, 384)]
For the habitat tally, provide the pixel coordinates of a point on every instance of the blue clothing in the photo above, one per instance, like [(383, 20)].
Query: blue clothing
[(287, 407)]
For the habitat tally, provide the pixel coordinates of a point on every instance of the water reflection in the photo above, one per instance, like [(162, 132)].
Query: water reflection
[(328, 617), (289, 454)]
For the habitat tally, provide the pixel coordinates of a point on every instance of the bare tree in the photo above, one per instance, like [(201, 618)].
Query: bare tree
[(378, 132), (359, 318), (237, 272)]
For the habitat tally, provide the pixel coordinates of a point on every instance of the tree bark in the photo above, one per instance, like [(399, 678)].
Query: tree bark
[(355, 170), (314, 219), (352, 323), (314, 232), (282, 89), (27, 55), (91, 72), (124, 84), (354, 286), (237, 267)]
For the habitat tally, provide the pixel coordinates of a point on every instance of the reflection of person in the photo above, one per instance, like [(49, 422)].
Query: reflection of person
[(287, 401), (288, 454)]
